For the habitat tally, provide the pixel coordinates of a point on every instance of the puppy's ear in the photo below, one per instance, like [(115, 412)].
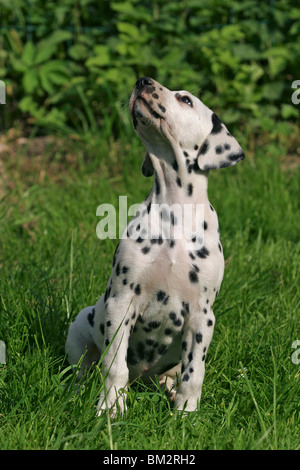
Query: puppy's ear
[(147, 167), (219, 149)]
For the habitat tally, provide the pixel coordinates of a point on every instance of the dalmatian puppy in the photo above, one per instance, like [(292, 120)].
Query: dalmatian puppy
[(155, 318)]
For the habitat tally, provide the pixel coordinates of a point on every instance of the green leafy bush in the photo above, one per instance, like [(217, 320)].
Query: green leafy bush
[(74, 65)]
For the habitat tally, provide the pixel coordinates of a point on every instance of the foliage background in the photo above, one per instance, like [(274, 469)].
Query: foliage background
[(74, 64)]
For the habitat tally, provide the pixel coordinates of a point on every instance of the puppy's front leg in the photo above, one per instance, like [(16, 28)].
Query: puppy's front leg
[(198, 331), (119, 322)]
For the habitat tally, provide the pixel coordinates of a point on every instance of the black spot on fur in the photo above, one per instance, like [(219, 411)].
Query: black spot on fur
[(186, 306), (162, 108), (185, 378), (177, 321), (158, 240), (146, 249), (204, 148), (217, 124), (90, 317), (198, 338), (175, 165), (160, 295), (205, 225), (190, 189), (151, 342), (102, 328), (173, 316), (107, 294), (209, 322), (157, 185), (202, 253), (118, 269), (137, 289), (178, 181), (193, 277), (154, 324), (150, 355)]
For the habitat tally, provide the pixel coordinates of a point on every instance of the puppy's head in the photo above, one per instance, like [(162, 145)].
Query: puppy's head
[(162, 118)]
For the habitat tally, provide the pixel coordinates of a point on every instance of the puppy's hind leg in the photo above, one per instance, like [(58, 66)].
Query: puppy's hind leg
[(80, 343)]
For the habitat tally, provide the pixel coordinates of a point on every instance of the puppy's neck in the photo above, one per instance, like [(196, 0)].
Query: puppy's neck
[(177, 179)]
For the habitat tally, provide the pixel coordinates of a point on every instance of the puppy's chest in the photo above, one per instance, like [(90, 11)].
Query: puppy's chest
[(155, 340), (175, 260)]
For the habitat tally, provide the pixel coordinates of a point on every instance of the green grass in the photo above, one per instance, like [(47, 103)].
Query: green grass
[(52, 265)]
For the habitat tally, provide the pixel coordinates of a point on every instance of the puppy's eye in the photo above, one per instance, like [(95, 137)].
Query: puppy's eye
[(184, 99), (187, 100)]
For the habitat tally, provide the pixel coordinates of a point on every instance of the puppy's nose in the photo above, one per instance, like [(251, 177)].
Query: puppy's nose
[(142, 82)]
